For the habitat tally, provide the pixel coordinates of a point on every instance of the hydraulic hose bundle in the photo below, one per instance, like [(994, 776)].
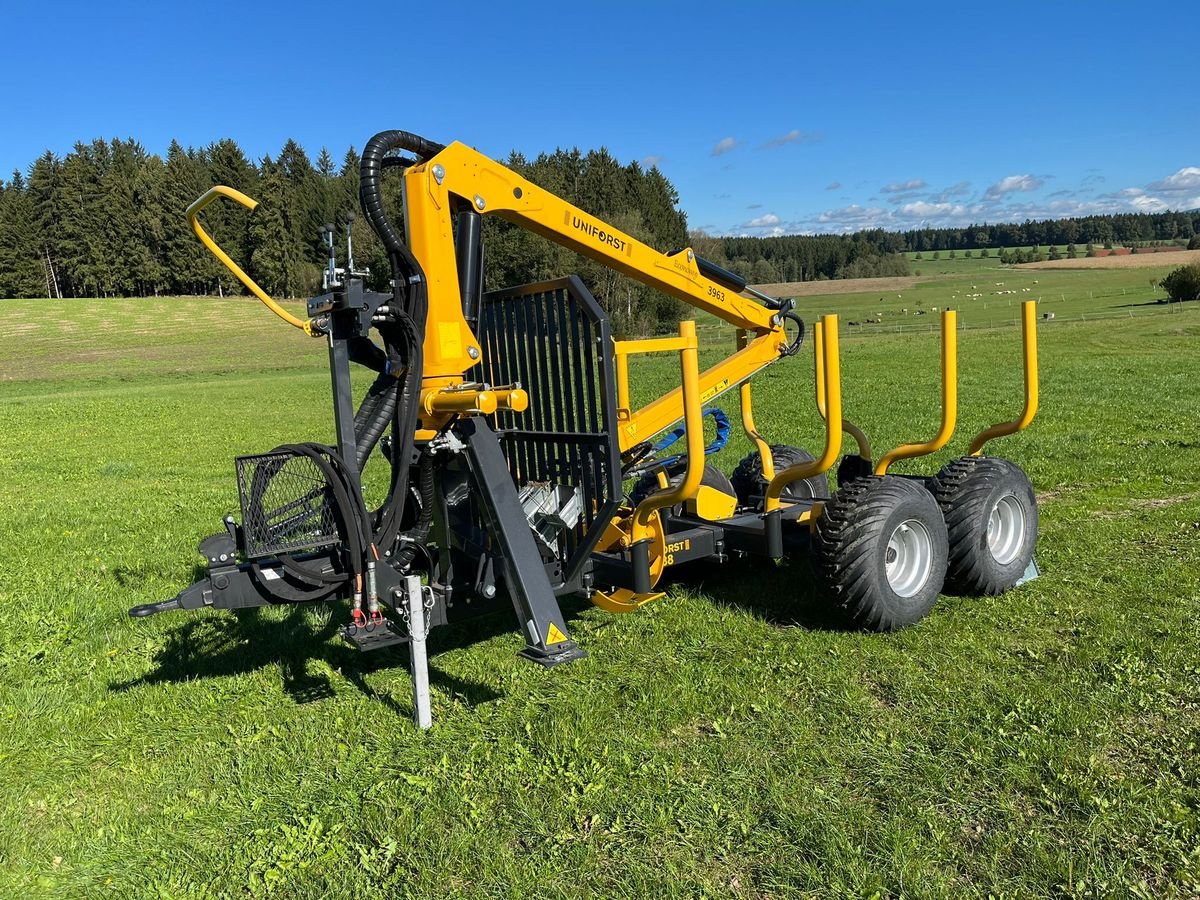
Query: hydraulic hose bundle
[(392, 399)]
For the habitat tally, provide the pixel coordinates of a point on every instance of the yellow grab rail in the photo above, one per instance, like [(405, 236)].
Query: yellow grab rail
[(193, 212), (864, 446), (747, 403), (833, 422), (949, 400), (1029, 346), (693, 423)]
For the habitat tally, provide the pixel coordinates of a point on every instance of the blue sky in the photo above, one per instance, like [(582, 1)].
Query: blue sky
[(769, 118)]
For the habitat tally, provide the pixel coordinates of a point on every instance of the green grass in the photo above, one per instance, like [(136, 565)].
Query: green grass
[(722, 742), (1070, 294)]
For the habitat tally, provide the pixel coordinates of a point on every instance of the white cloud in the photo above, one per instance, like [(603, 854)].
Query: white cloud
[(763, 221), (1179, 191), (724, 145), (795, 136), (902, 187), (1014, 184), (923, 210), (1148, 204), (1186, 179), (961, 189)]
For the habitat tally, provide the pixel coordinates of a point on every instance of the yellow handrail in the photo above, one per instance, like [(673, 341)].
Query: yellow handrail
[(747, 403), (949, 399), (860, 438), (193, 212), (1029, 346), (693, 423), (833, 422)]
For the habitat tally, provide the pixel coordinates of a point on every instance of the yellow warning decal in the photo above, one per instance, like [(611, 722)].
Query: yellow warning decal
[(554, 635)]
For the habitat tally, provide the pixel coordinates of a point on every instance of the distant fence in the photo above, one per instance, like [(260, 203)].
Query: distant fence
[(934, 325)]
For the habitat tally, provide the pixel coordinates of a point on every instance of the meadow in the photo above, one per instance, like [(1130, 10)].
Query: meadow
[(728, 740)]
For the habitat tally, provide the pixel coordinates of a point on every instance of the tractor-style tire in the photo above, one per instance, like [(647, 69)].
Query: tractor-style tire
[(879, 549), (648, 484), (992, 522), (747, 479), (852, 467)]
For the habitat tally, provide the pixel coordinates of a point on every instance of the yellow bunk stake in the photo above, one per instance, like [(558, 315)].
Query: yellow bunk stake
[(766, 457), (193, 212), (833, 424), (642, 532), (949, 400), (1029, 347), (864, 446)]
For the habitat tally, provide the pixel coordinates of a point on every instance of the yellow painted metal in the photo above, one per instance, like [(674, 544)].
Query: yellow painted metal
[(833, 422), (694, 428), (949, 400), (649, 345), (459, 174), (193, 212), (1029, 346), (616, 537), (622, 375), (439, 401), (668, 409), (712, 504), (864, 446), (765, 456), (512, 399)]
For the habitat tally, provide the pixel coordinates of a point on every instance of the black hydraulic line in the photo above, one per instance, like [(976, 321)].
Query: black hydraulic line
[(371, 196), (284, 591), (374, 415), (415, 537), (409, 330)]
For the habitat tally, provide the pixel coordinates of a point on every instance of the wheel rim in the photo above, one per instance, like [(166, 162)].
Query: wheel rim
[(909, 557), (1006, 529)]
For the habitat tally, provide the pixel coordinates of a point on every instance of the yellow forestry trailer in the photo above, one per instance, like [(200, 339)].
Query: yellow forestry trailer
[(519, 470)]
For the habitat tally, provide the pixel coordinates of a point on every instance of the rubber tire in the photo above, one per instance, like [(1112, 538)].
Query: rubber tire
[(849, 548), (648, 484), (851, 468), (967, 489), (750, 486)]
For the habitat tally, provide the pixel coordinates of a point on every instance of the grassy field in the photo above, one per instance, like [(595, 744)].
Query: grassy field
[(726, 741)]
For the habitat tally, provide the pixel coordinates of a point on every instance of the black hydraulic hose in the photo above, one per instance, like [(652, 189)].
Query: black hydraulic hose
[(404, 425), (420, 530), (370, 194), (409, 335), (374, 415), (282, 590), (347, 498)]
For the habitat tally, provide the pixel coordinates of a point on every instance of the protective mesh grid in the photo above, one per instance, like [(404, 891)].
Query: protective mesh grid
[(286, 504)]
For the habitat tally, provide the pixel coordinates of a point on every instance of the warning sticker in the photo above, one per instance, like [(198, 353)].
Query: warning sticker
[(554, 634)]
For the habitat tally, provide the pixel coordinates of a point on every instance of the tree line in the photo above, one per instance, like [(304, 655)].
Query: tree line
[(107, 220), (1124, 229)]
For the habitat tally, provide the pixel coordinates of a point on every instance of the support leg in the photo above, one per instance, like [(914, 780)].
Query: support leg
[(542, 623)]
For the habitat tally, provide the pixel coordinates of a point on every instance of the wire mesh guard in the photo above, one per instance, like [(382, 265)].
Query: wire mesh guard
[(286, 504)]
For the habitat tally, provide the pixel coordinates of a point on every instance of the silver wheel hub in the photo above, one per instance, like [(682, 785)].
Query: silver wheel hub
[(1006, 529), (909, 557)]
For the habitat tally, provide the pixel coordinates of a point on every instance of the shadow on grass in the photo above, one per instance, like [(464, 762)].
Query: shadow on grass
[(783, 594), (237, 642), (242, 641)]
